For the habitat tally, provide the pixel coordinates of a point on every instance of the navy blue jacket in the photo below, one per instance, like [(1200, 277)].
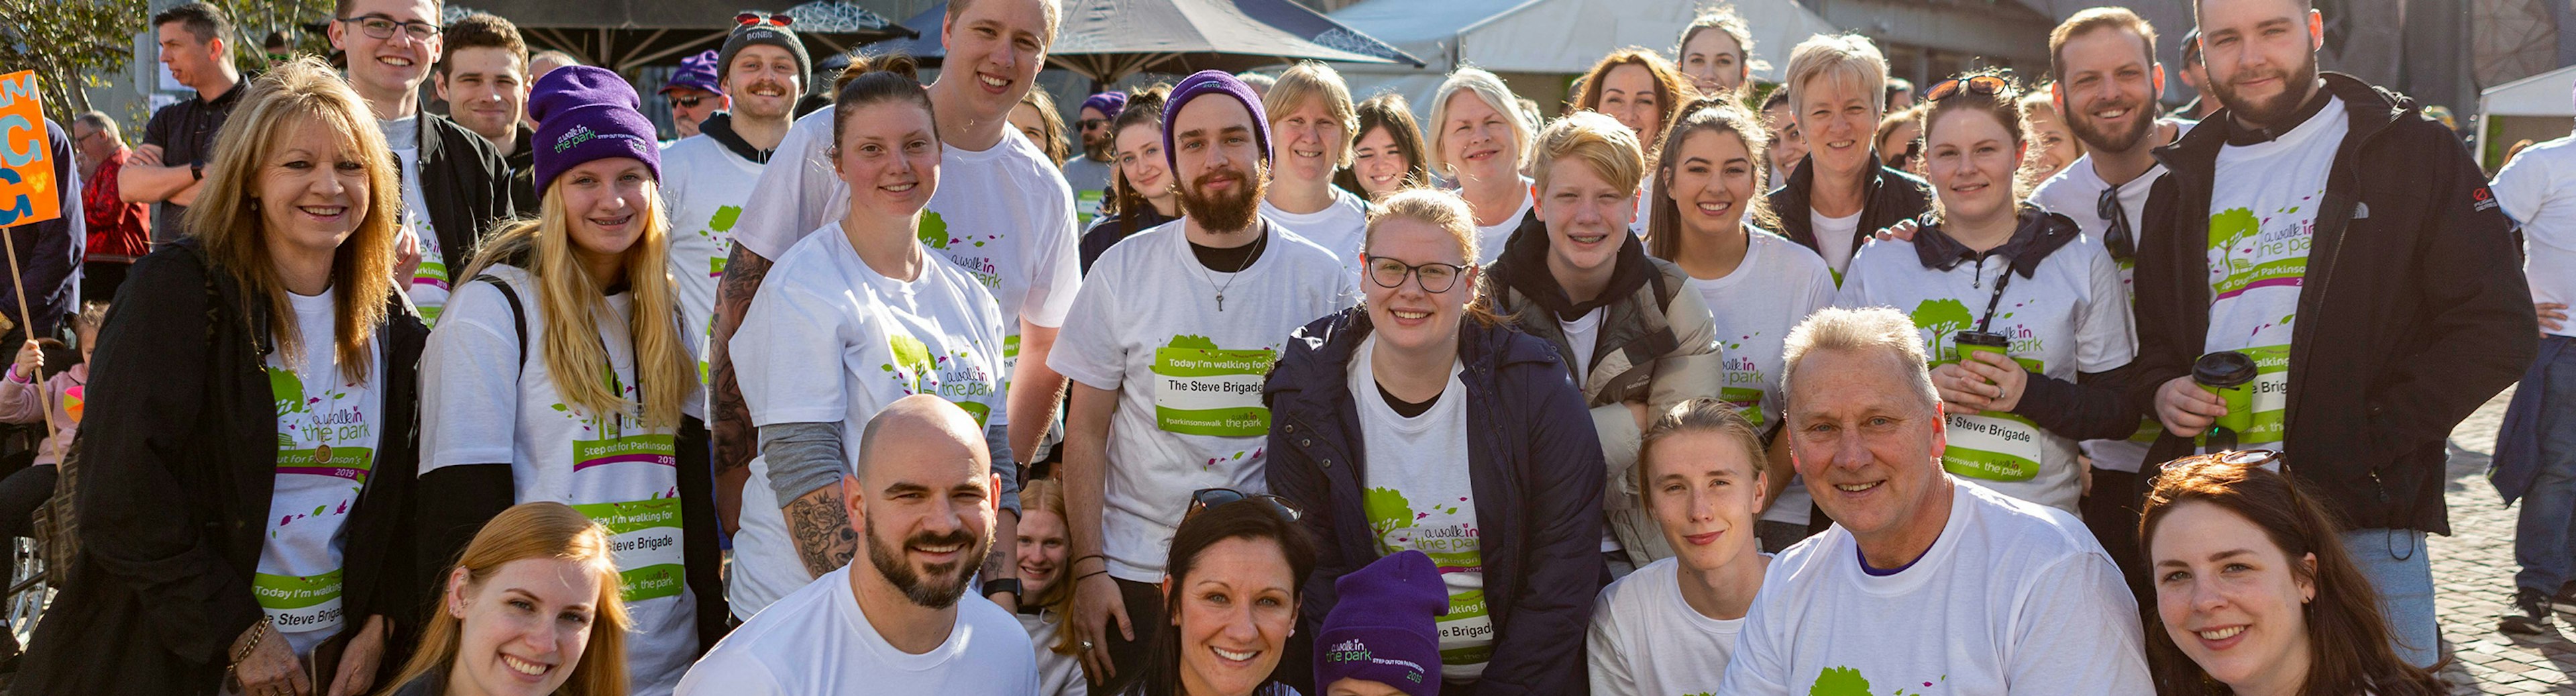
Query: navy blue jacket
[(1535, 467)]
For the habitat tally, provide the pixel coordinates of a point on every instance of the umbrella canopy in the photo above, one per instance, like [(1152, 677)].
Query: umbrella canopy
[(1106, 40), (623, 35)]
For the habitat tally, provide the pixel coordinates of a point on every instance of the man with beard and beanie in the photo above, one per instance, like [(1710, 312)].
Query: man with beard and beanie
[(762, 68), (2104, 62), (2324, 229), (1168, 345), (1089, 174), (922, 501), (1002, 213)]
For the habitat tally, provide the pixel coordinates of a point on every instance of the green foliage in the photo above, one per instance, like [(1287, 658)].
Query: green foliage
[(69, 45)]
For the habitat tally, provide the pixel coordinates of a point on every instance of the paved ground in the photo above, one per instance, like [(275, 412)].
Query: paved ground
[(2473, 576)]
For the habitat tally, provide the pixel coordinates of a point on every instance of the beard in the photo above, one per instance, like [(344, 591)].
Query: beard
[(1227, 212), (945, 582), (2081, 122), (2273, 112), (1098, 148)]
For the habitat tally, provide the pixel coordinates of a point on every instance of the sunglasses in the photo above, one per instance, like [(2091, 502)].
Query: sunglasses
[(1988, 85), (687, 102), (1090, 123), (1209, 498), (755, 18)]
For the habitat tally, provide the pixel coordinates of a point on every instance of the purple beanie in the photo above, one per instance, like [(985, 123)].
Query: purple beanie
[(587, 113), (1382, 630), (1107, 103), (1203, 83), (696, 72)]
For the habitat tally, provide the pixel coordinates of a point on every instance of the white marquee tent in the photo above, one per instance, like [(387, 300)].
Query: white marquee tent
[(1545, 37)]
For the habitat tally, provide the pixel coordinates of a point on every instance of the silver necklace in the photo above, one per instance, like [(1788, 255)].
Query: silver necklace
[(1258, 245)]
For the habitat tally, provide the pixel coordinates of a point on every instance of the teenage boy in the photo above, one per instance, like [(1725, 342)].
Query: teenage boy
[(454, 184)]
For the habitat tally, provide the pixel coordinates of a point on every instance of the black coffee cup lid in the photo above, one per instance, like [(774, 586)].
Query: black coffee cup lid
[(1981, 338), (2224, 369)]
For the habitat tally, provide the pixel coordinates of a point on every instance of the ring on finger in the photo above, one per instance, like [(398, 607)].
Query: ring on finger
[(1086, 645)]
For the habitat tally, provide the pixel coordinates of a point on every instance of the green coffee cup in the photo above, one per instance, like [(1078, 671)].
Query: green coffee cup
[(2230, 375), (1971, 342)]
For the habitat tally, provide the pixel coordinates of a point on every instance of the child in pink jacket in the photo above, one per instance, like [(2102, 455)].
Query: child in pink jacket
[(21, 492)]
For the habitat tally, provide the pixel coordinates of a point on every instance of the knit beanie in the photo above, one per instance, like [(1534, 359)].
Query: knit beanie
[(696, 72), (1382, 630), (587, 113), (1107, 103), (1203, 83), (763, 34)]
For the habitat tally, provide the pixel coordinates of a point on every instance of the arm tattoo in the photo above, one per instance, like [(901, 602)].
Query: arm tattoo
[(821, 531), (735, 439)]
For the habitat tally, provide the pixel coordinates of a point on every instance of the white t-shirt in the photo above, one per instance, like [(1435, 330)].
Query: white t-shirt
[(829, 340), (1417, 497), (2069, 318), (1089, 179), (1339, 228), (2012, 598), (429, 284), (2538, 189), (1003, 215), (1583, 334), (2262, 218), (1834, 239), (1490, 238), (818, 641), (1058, 674), (1776, 286), (1189, 376), (327, 432), (2076, 193), (611, 467), (704, 185), (1646, 640)]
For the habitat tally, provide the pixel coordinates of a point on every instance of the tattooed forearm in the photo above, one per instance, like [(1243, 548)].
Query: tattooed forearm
[(820, 528), (735, 438)]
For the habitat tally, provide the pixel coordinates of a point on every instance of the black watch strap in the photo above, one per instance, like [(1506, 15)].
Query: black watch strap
[(1011, 585)]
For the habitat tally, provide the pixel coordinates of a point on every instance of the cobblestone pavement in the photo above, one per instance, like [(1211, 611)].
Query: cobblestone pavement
[(2473, 581)]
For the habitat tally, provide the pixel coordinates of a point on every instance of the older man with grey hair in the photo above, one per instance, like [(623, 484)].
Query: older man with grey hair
[(1924, 578)]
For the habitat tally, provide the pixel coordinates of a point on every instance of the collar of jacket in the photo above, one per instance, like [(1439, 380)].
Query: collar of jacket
[(1334, 339), (2369, 110), (720, 127), (522, 155), (1523, 268), (2038, 234), (1802, 178)]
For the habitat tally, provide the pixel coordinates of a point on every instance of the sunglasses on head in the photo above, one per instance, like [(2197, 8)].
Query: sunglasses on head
[(1210, 498), (1988, 85), (752, 18)]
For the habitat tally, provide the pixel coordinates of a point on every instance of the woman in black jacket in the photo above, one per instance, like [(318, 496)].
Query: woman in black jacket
[(1419, 422), (251, 411)]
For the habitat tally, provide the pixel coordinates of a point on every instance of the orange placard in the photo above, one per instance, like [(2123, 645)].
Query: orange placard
[(28, 191)]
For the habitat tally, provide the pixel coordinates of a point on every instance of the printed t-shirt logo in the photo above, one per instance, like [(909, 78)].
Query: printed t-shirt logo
[(958, 379), (1202, 389), (1990, 445)]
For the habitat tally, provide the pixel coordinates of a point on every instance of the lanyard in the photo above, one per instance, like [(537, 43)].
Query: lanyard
[(1998, 297)]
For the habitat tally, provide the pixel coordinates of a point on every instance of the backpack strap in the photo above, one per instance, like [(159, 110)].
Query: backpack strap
[(518, 312)]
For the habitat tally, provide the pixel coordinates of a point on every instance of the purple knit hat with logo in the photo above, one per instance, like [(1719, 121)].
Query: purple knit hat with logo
[(1382, 629), (696, 72), (1207, 82), (587, 113)]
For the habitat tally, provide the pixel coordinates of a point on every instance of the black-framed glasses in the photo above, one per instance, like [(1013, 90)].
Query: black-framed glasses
[(1988, 85), (2122, 242), (1435, 277), (384, 27), (1208, 498), (690, 102)]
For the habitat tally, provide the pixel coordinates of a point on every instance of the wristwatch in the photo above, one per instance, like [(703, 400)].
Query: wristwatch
[(1011, 585), (197, 172)]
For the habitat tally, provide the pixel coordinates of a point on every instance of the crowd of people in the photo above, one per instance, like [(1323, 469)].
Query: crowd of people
[(1251, 386)]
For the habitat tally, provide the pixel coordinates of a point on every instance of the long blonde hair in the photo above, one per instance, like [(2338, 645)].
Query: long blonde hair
[(525, 531), (566, 297), (226, 218)]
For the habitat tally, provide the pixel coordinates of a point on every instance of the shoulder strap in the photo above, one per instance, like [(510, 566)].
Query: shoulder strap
[(518, 313)]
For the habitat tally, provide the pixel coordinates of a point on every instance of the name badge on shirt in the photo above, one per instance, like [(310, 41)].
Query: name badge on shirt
[(299, 604), (1200, 389)]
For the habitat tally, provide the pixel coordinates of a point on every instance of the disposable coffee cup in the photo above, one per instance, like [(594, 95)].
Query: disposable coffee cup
[(2230, 375), (1971, 342)]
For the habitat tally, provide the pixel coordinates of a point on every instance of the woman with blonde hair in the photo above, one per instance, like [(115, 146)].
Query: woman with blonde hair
[(532, 607), (242, 426), (1716, 52), (1420, 422), (1479, 139), (1638, 87), (558, 373)]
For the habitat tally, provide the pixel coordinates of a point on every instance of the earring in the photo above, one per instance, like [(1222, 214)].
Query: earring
[(254, 204)]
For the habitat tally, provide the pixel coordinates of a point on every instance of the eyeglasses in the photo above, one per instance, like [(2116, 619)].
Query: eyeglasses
[(1988, 85), (687, 102), (80, 138), (1090, 123), (383, 27), (1436, 277), (752, 18), (1209, 498), (2122, 242)]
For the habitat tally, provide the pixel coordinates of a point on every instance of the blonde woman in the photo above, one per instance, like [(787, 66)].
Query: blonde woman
[(531, 607), (1479, 138), (558, 373), (237, 426)]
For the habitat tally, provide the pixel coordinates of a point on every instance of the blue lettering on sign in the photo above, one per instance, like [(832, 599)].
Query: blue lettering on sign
[(13, 90), (11, 153), (21, 208)]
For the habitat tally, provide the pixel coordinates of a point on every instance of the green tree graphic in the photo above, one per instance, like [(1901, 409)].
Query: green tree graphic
[(910, 356), (1191, 341), (2234, 226), (723, 220), (934, 231), (1943, 318), (1839, 681)]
